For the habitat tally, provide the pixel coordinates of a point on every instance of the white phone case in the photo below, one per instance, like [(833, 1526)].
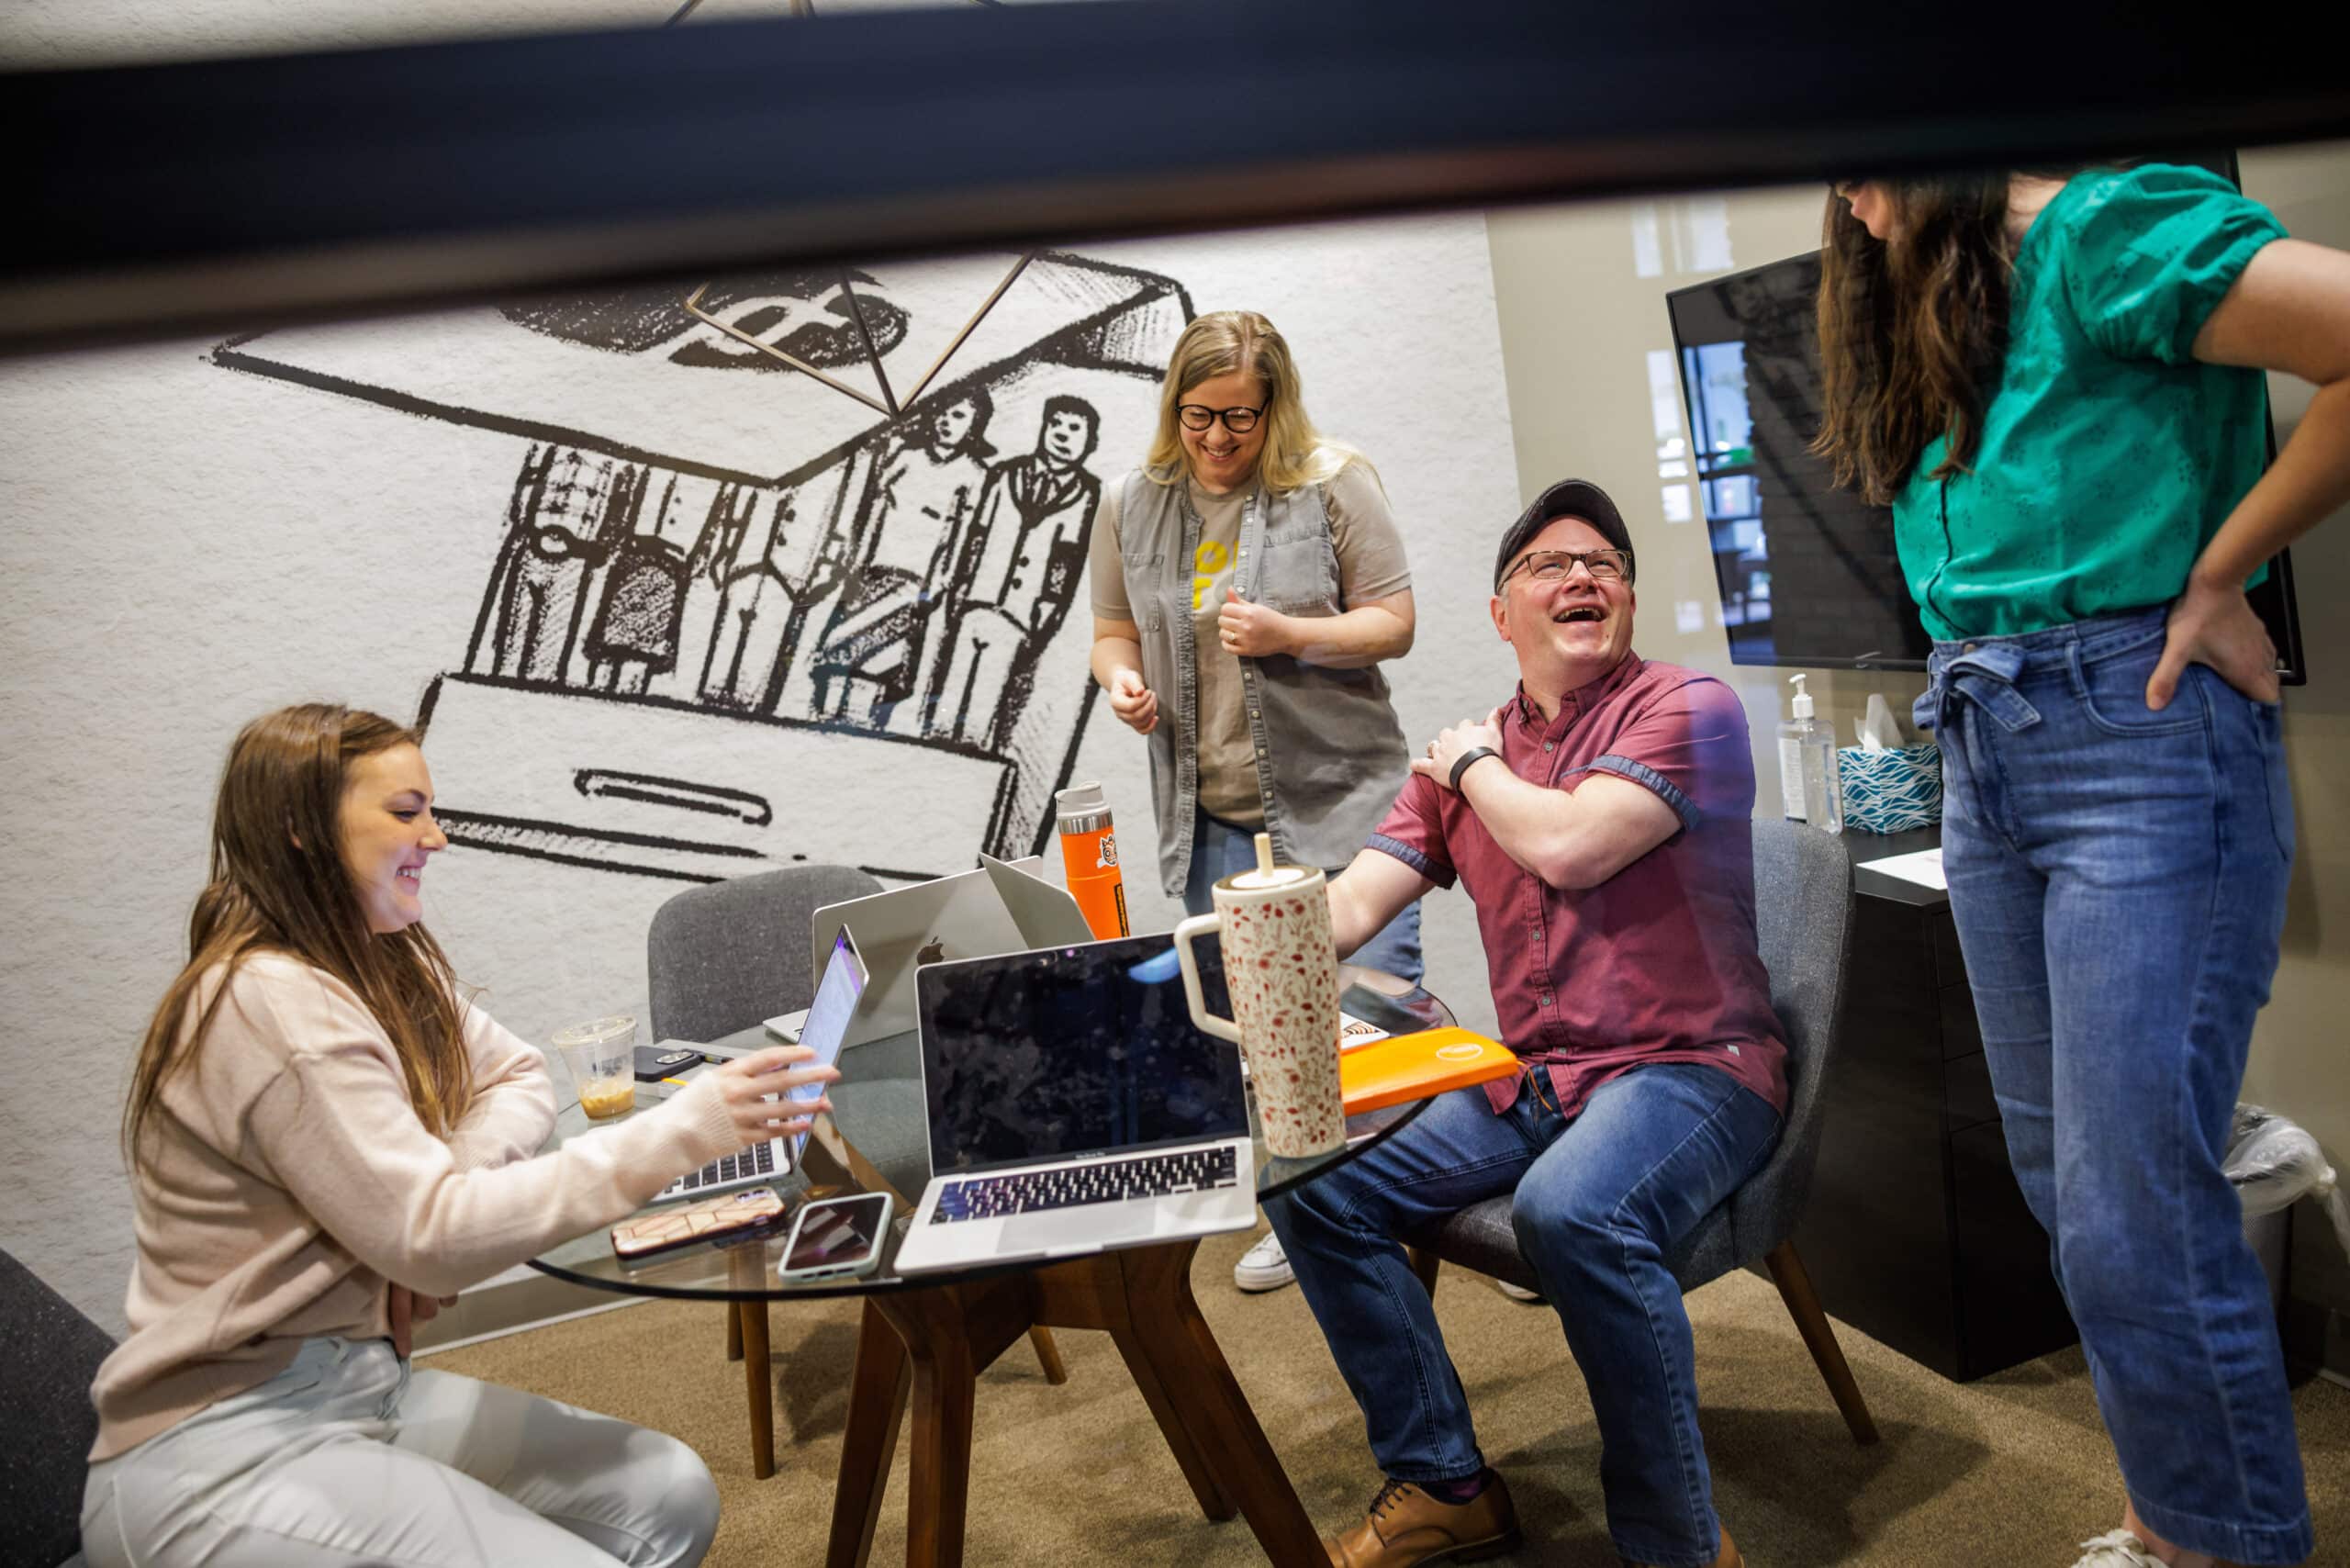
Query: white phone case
[(827, 1270)]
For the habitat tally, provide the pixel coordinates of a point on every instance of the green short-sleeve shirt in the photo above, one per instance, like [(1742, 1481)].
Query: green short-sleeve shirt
[(2109, 454)]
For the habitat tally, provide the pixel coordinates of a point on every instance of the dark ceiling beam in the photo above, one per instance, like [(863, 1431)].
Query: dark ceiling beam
[(160, 199)]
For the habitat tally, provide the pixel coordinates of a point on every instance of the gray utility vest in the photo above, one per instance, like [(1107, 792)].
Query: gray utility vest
[(1330, 755)]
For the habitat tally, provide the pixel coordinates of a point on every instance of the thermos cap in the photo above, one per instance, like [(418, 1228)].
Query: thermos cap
[(1081, 807)]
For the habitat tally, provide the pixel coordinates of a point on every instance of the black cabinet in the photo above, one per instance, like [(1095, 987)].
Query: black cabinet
[(1917, 1233)]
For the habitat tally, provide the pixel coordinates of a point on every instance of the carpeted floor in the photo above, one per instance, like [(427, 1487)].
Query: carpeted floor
[(2011, 1470)]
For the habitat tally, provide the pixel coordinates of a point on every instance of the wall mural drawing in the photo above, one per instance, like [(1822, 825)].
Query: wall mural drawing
[(733, 620)]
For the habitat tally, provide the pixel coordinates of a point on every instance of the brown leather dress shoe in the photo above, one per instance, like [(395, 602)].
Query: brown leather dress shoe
[(1406, 1525), (1727, 1557)]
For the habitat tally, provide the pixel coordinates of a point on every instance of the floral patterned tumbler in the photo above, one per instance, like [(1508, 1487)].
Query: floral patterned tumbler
[(1279, 965)]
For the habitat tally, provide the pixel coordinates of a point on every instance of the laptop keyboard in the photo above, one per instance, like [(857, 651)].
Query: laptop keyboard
[(747, 1166), (1107, 1181)]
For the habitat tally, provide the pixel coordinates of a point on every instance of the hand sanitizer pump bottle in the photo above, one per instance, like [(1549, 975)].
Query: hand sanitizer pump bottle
[(1809, 783)]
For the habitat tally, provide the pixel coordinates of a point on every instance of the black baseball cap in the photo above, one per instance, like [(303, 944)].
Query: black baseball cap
[(1568, 498)]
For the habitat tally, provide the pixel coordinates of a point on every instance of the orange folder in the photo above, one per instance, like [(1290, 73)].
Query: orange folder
[(1416, 1067)]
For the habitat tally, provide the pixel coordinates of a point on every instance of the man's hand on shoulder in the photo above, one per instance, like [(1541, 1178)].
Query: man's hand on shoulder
[(1452, 744)]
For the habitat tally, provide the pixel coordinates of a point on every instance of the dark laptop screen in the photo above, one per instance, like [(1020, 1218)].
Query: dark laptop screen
[(1071, 1050)]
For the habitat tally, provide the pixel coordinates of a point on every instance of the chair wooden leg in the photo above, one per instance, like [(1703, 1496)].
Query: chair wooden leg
[(877, 1406), (1425, 1263), (733, 1331), (1819, 1338), (1048, 1355), (758, 1378)]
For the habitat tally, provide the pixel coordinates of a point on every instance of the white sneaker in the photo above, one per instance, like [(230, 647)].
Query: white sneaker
[(2117, 1549), (1264, 1267), (1516, 1293)]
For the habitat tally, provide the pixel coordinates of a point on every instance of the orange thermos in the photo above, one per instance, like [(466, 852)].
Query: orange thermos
[(1089, 856)]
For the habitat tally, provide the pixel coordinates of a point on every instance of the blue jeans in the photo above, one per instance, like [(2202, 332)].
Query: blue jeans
[(1220, 849), (2117, 879), (1600, 1203)]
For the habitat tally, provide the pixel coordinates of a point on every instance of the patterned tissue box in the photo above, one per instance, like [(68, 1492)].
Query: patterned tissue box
[(1887, 791)]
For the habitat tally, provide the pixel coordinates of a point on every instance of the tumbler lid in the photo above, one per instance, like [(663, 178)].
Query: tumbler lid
[(1267, 875)]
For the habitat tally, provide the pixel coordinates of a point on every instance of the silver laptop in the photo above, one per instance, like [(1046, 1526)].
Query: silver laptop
[(1073, 1105), (826, 1021), (967, 915)]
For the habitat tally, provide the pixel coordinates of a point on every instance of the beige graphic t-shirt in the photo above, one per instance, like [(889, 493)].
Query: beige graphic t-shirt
[(1371, 567)]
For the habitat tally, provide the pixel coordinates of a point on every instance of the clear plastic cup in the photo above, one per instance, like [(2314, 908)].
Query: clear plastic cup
[(601, 1056)]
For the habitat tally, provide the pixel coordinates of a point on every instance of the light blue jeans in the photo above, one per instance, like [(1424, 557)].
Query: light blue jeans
[(1220, 850), (348, 1457), (1600, 1203), (2117, 879)]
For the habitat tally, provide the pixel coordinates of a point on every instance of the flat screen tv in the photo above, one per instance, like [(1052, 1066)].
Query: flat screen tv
[(1806, 571)]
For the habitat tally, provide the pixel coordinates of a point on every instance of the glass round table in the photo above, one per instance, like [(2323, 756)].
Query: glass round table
[(925, 1338), (876, 1142)]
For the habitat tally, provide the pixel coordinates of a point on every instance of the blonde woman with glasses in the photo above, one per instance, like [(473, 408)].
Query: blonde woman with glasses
[(1247, 582)]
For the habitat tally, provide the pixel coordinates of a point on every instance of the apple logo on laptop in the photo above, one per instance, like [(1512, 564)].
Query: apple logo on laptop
[(931, 952)]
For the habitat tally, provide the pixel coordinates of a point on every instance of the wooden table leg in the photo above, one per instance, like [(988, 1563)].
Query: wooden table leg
[(1186, 1446), (946, 1383), (877, 1405), (734, 1330), (758, 1377), (1208, 1402)]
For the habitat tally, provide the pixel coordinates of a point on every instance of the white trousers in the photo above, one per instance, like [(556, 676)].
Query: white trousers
[(348, 1458)]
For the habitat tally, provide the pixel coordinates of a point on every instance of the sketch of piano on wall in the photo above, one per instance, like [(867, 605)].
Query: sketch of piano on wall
[(735, 621)]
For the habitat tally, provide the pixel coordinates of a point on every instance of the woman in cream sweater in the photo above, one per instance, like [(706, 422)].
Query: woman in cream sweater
[(326, 1142)]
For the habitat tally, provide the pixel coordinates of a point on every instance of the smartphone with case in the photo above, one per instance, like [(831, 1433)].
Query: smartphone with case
[(837, 1237), (729, 1215)]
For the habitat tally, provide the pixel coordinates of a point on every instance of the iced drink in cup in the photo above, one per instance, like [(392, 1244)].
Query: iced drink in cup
[(601, 1055)]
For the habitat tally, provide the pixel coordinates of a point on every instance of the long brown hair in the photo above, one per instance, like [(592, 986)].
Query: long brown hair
[(1221, 343), (279, 884), (1912, 330)]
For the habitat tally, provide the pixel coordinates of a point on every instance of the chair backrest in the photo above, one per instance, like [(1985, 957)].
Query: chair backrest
[(725, 956), (47, 1425), (1803, 916)]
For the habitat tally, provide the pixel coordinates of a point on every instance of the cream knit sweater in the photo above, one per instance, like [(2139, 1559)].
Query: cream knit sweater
[(290, 1180)]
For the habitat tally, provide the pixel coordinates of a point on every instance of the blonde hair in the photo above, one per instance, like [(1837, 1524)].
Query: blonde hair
[(1230, 341)]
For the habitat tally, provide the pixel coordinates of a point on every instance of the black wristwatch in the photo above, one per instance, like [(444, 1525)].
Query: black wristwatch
[(1461, 767)]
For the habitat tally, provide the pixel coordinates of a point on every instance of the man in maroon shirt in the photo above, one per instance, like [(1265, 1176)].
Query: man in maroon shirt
[(1600, 820)]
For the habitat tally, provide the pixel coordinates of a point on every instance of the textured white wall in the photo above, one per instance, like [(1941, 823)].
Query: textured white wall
[(188, 545)]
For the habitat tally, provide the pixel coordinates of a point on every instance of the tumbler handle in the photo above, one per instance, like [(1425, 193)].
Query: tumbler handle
[(1199, 925)]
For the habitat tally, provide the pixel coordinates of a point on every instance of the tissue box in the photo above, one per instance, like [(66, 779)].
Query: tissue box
[(1887, 791)]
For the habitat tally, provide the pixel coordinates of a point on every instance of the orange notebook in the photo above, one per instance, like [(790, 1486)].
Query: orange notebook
[(1416, 1067)]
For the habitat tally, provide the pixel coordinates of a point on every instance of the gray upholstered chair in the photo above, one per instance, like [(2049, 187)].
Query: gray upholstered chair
[(47, 1424), (1803, 896), (723, 957)]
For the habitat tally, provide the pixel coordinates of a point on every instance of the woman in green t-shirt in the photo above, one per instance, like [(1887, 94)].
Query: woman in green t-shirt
[(2055, 385)]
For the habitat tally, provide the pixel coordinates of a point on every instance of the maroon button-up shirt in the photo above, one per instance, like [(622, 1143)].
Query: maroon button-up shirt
[(1658, 963)]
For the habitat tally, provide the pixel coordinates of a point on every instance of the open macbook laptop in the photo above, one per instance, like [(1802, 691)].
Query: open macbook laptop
[(1073, 1105), (842, 983), (967, 915)]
